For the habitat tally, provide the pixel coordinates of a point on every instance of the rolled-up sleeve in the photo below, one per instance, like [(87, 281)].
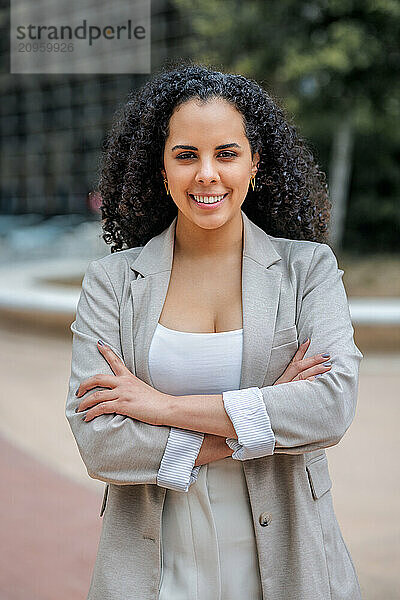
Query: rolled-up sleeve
[(177, 471), (247, 411)]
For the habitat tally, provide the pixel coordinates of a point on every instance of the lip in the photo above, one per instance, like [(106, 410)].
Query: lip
[(208, 195), (208, 206)]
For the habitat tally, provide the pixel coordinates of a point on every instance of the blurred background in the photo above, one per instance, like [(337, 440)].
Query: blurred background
[(335, 67)]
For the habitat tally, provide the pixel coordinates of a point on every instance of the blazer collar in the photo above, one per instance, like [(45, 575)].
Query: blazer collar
[(157, 255)]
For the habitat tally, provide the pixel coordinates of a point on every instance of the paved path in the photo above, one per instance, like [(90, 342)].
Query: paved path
[(49, 531), (51, 527)]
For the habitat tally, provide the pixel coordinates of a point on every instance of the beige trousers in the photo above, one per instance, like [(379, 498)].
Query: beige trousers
[(208, 543)]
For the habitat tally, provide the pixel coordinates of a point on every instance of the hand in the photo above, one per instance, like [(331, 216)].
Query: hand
[(125, 393), (300, 369)]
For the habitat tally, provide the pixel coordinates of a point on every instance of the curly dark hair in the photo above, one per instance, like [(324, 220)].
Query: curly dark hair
[(291, 195)]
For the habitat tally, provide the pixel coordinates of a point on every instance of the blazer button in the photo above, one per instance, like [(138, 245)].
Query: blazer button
[(265, 519)]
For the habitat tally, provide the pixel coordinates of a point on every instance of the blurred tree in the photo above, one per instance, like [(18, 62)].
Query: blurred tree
[(332, 63)]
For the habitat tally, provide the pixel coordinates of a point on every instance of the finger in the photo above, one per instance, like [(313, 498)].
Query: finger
[(113, 360), (317, 370), (99, 380), (104, 408), (96, 398), (301, 350), (306, 363)]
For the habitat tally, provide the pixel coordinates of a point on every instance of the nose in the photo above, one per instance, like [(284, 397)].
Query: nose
[(207, 172)]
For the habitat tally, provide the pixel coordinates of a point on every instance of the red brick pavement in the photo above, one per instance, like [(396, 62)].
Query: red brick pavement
[(49, 531)]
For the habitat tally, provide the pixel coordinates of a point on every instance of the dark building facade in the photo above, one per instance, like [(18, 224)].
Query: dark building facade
[(52, 126)]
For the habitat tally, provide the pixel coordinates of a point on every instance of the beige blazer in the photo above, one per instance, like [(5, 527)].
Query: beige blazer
[(291, 289)]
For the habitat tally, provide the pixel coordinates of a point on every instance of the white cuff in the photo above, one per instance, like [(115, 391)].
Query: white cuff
[(247, 411), (176, 470)]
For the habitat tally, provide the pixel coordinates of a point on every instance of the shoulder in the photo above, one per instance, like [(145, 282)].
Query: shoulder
[(115, 267), (118, 259), (299, 248), (304, 254)]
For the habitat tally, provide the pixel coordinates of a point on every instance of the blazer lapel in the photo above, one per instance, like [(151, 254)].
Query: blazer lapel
[(260, 296), (149, 290)]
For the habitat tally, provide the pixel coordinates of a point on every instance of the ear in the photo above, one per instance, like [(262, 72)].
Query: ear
[(255, 161)]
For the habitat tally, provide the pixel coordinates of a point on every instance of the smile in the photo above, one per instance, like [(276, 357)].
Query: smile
[(208, 201)]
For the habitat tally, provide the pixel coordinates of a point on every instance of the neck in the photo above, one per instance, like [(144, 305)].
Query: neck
[(196, 243)]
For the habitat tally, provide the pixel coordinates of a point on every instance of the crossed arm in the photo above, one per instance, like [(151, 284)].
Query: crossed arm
[(303, 417), (199, 424)]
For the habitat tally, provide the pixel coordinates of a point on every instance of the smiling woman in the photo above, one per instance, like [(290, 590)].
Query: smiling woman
[(290, 196), (190, 394)]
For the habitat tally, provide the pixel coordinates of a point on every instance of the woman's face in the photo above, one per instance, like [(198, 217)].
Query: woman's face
[(207, 156)]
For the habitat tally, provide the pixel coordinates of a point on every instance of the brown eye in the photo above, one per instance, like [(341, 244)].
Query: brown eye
[(228, 154), (185, 155)]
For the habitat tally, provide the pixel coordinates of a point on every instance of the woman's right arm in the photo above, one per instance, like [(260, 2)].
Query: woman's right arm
[(115, 448)]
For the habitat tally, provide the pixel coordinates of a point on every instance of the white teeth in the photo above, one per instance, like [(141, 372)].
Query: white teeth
[(208, 200)]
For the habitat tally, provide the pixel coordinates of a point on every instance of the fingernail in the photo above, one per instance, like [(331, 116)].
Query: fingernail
[(325, 355), (306, 340), (100, 343), (77, 391), (327, 364), (77, 409)]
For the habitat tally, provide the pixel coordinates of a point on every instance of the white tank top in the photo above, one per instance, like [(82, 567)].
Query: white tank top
[(208, 543)]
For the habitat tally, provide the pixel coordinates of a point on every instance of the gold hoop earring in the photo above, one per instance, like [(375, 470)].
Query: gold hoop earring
[(167, 186), (253, 181)]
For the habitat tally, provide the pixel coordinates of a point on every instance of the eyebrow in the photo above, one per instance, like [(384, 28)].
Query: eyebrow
[(182, 147)]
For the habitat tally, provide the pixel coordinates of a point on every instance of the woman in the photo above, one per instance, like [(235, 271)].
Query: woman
[(190, 395)]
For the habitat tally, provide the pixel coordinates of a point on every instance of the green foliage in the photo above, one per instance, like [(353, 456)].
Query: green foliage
[(322, 59)]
